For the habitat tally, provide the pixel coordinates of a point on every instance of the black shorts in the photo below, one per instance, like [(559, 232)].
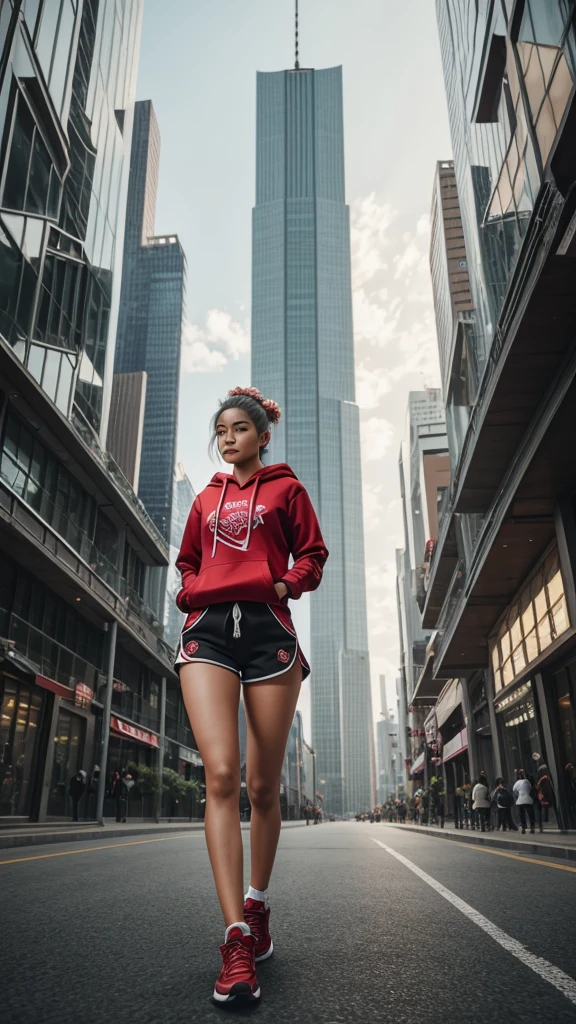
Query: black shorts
[(246, 637)]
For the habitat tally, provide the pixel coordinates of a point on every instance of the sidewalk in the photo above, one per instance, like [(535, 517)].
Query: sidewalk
[(78, 831), (549, 843)]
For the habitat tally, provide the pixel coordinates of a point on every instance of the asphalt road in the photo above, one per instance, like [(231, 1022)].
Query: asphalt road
[(129, 932)]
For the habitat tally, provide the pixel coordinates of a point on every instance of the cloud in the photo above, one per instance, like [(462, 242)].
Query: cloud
[(371, 385), (377, 435), (369, 235), (209, 348), (395, 351)]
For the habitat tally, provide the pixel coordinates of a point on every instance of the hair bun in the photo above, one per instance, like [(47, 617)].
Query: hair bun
[(272, 408)]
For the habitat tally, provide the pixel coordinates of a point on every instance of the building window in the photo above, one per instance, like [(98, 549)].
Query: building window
[(31, 182), (547, 77), (533, 622)]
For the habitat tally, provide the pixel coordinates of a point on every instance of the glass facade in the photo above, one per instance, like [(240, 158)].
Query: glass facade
[(21, 709), (537, 618), (150, 319), (302, 355), (68, 81), (505, 116)]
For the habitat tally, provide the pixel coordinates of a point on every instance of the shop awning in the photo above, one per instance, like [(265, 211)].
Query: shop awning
[(428, 689), (457, 745), (418, 766), (448, 701), (133, 732)]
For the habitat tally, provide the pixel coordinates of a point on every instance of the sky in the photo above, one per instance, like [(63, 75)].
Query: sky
[(198, 65)]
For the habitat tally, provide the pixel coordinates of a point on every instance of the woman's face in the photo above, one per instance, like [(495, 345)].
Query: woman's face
[(238, 438)]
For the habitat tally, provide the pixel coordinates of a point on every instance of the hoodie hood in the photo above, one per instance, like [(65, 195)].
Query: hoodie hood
[(248, 514)]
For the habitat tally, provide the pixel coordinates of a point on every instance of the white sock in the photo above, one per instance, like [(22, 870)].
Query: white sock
[(237, 924), (257, 894)]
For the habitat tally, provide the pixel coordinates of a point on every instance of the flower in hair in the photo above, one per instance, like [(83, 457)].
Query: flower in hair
[(272, 408), (251, 392)]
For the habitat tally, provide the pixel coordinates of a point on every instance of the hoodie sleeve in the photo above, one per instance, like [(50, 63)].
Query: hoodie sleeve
[(190, 554), (308, 548)]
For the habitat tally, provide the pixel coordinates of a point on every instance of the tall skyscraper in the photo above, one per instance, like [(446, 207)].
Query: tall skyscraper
[(150, 318), (183, 500), (303, 356)]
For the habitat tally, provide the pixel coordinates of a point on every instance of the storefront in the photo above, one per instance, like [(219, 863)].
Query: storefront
[(22, 718), (46, 735), (534, 698)]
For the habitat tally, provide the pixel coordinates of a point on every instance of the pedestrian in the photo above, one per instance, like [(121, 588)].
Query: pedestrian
[(119, 791), (481, 801), (241, 531), (504, 804), (77, 789), (522, 791), (459, 807), (546, 794), (402, 809), (92, 798)]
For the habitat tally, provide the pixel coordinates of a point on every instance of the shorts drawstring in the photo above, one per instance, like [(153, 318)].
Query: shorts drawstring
[(237, 615)]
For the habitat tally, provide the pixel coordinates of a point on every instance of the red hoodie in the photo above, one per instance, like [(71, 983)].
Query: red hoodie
[(239, 537)]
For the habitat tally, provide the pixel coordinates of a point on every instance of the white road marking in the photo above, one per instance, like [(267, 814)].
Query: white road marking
[(553, 975)]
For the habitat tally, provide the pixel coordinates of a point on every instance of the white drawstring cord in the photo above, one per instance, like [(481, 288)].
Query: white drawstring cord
[(237, 615)]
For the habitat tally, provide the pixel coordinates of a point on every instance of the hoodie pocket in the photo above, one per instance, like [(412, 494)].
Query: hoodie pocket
[(246, 580)]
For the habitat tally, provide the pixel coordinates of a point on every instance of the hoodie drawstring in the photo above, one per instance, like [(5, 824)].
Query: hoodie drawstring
[(224, 486), (236, 615)]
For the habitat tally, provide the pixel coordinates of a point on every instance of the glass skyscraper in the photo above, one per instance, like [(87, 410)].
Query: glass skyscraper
[(150, 318), (303, 356), (67, 81)]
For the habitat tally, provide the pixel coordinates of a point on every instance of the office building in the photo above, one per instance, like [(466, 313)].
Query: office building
[(499, 593), (303, 356), (183, 500), (126, 423), (150, 318), (76, 544), (424, 478)]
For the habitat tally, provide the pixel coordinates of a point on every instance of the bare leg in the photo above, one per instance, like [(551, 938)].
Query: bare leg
[(270, 707), (211, 696)]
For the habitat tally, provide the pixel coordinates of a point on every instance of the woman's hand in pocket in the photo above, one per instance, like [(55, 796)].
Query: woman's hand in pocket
[(281, 589)]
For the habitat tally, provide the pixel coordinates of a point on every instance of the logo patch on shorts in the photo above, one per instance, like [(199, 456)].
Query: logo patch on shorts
[(191, 647), (283, 656)]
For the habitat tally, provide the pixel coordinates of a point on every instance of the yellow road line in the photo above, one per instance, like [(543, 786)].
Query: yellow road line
[(516, 856), (93, 849)]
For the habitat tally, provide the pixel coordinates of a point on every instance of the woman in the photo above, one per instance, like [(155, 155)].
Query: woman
[(522, 791), (481, 801), (546, 795), (240, 533)]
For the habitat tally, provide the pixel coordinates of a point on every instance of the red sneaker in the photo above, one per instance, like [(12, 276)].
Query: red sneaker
[(237, 979), (258, 917)]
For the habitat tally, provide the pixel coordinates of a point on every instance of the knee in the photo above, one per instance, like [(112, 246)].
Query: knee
[(223, 783), (262, 793)]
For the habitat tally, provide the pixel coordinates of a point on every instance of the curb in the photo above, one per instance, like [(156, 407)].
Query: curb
[(523, 846), (10, 842)]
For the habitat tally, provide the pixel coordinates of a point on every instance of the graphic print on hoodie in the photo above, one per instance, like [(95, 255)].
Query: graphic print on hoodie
[(238, 541)]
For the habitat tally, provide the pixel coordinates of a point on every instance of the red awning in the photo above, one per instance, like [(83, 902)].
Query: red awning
[(133, 732), (58, 688)]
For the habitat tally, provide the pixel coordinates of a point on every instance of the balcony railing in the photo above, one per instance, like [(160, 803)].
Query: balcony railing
[(77, 538), (53, 659)]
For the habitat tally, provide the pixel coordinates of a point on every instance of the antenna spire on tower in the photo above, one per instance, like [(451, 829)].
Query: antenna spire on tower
[(296, 61)]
